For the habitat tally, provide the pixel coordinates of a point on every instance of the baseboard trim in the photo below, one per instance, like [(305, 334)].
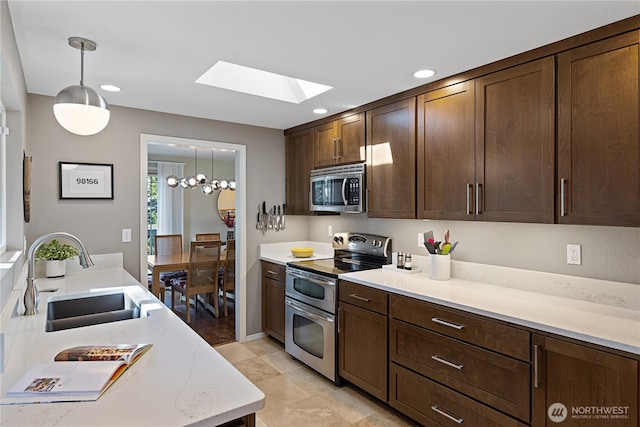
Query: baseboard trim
[(257, 336)]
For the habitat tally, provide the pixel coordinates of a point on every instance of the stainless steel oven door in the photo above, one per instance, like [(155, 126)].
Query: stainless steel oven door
[(310, 336), (311, 288)]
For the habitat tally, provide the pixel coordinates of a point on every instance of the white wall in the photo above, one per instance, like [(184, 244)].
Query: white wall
[(608, 253), (99, 222)]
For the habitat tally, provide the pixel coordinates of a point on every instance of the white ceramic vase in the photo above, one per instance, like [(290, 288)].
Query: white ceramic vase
[(54, 268)]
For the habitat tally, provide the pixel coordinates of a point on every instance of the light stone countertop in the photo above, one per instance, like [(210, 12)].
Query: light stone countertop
[(280, 253), (599, 312), (181, 380)]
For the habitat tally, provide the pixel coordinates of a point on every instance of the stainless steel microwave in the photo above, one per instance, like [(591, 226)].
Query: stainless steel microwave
[(338, 189)]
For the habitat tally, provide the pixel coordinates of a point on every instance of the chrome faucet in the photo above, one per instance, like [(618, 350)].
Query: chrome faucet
[(31, 297)]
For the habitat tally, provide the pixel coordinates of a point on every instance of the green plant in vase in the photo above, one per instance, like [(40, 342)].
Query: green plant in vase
[(54, 254)]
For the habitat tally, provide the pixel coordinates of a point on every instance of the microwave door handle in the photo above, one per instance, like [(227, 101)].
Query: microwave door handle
[(344, 191)]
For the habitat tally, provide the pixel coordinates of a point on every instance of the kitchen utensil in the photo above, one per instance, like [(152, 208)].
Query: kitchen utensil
[(430, 248), (428, 236), (284, 213), (446, 248), (446, 237), (278, 219), (265, 217), (453, 246)]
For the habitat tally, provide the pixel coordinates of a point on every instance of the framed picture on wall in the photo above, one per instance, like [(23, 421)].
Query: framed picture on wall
[(85, 180)]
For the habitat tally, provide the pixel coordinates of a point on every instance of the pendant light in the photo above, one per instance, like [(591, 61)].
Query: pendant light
[(207, 189), (78, 108)]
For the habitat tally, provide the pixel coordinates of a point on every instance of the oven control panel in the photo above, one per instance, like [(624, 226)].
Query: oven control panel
[(369, 244)]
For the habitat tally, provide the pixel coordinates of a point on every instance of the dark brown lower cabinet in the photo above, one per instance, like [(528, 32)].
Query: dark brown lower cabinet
[(273, 291), (362, 334), (432, 404), (577, 386)]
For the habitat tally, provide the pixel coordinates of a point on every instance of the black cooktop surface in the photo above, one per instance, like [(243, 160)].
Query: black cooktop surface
[(332, 266)]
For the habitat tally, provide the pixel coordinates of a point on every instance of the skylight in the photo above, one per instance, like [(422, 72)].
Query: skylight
[(249, 80)]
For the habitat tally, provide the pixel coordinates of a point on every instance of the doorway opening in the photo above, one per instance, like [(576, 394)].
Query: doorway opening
[(239, 158)]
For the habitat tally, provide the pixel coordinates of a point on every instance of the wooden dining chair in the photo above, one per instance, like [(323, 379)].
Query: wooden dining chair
[(207, 236), (228, 279), (202, 275), (168, 244)]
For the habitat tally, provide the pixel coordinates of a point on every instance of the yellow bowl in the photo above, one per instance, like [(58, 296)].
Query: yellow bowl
[(302, 252)]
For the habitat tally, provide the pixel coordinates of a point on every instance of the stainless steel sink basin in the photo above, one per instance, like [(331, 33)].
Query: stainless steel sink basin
[(74, 311)]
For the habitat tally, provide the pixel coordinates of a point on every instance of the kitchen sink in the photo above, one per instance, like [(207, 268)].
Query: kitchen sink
[(77, 310)]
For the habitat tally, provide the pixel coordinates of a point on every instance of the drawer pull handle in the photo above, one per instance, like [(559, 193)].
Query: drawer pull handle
[(445, 323), (359, 297), (446, 362), (444, 414), (536, 372), (275, 273)]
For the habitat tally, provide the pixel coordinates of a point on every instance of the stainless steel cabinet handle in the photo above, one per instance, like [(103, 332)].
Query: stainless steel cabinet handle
[(339, 320), (446, 362), (272, 272), (563, 185), (457, 420), (340, 148), (359, 297), (335, 150), (536, 350), (469, 191), (449, 324), (478, 211)]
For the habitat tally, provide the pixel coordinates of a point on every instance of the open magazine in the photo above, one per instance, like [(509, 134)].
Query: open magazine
[(72, 377)]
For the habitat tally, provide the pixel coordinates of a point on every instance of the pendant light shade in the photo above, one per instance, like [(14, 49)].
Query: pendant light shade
[(78, 108)]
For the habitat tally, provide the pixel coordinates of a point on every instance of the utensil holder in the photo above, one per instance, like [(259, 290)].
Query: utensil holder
[(439, 267)]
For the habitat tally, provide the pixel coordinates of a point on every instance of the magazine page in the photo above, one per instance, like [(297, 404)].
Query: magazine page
[(48, 382), (126, 352)]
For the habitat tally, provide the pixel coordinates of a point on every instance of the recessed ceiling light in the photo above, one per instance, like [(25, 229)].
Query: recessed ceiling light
[(249, 80), (424, 74), (320, 111), (110, 88)]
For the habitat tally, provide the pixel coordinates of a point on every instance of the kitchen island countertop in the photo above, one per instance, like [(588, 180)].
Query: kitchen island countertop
[(181, 380)]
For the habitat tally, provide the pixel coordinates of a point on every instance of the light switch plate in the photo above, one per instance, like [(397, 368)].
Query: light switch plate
[(126, 235), (420, 240)]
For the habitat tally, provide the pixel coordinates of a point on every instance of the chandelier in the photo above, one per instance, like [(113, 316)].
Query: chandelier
[(200, 179)]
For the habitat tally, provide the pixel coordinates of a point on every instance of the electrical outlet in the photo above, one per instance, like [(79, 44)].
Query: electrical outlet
[(126, 235), (574, 255), (420, 240), (330, 230)]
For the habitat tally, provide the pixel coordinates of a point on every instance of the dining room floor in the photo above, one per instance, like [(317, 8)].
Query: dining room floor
[(298, 396)]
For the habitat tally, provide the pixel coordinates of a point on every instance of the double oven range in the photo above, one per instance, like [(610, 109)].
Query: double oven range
[(311, 298)]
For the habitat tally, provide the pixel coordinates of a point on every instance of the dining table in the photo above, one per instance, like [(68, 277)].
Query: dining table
[(171, 262)]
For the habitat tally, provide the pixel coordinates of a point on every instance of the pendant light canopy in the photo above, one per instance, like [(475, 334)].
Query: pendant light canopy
[(78, 108)]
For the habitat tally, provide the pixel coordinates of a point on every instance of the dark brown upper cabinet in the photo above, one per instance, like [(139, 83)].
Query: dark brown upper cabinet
[(298, 161), (515, 144), (445, 152), (486, 147), (391, 164), (339, 142), (598, 140)]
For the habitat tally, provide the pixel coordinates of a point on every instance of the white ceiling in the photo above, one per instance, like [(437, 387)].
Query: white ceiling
[(155, 50)]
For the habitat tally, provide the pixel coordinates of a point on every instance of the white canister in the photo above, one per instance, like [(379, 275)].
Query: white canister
[(439, 267)]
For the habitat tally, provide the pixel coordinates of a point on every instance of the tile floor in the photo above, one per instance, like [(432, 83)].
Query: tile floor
[(297, 396)]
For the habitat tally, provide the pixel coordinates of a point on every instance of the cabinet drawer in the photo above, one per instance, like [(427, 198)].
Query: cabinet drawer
[(494, 379), (364, 296), (432, 404), (466, 327), (274, 271)]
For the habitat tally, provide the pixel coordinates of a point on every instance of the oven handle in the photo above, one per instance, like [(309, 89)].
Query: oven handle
[(299, 275), (308, 311)]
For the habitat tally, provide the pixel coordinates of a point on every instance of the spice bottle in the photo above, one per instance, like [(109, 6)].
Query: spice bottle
[(400, 263), (407, 261)]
